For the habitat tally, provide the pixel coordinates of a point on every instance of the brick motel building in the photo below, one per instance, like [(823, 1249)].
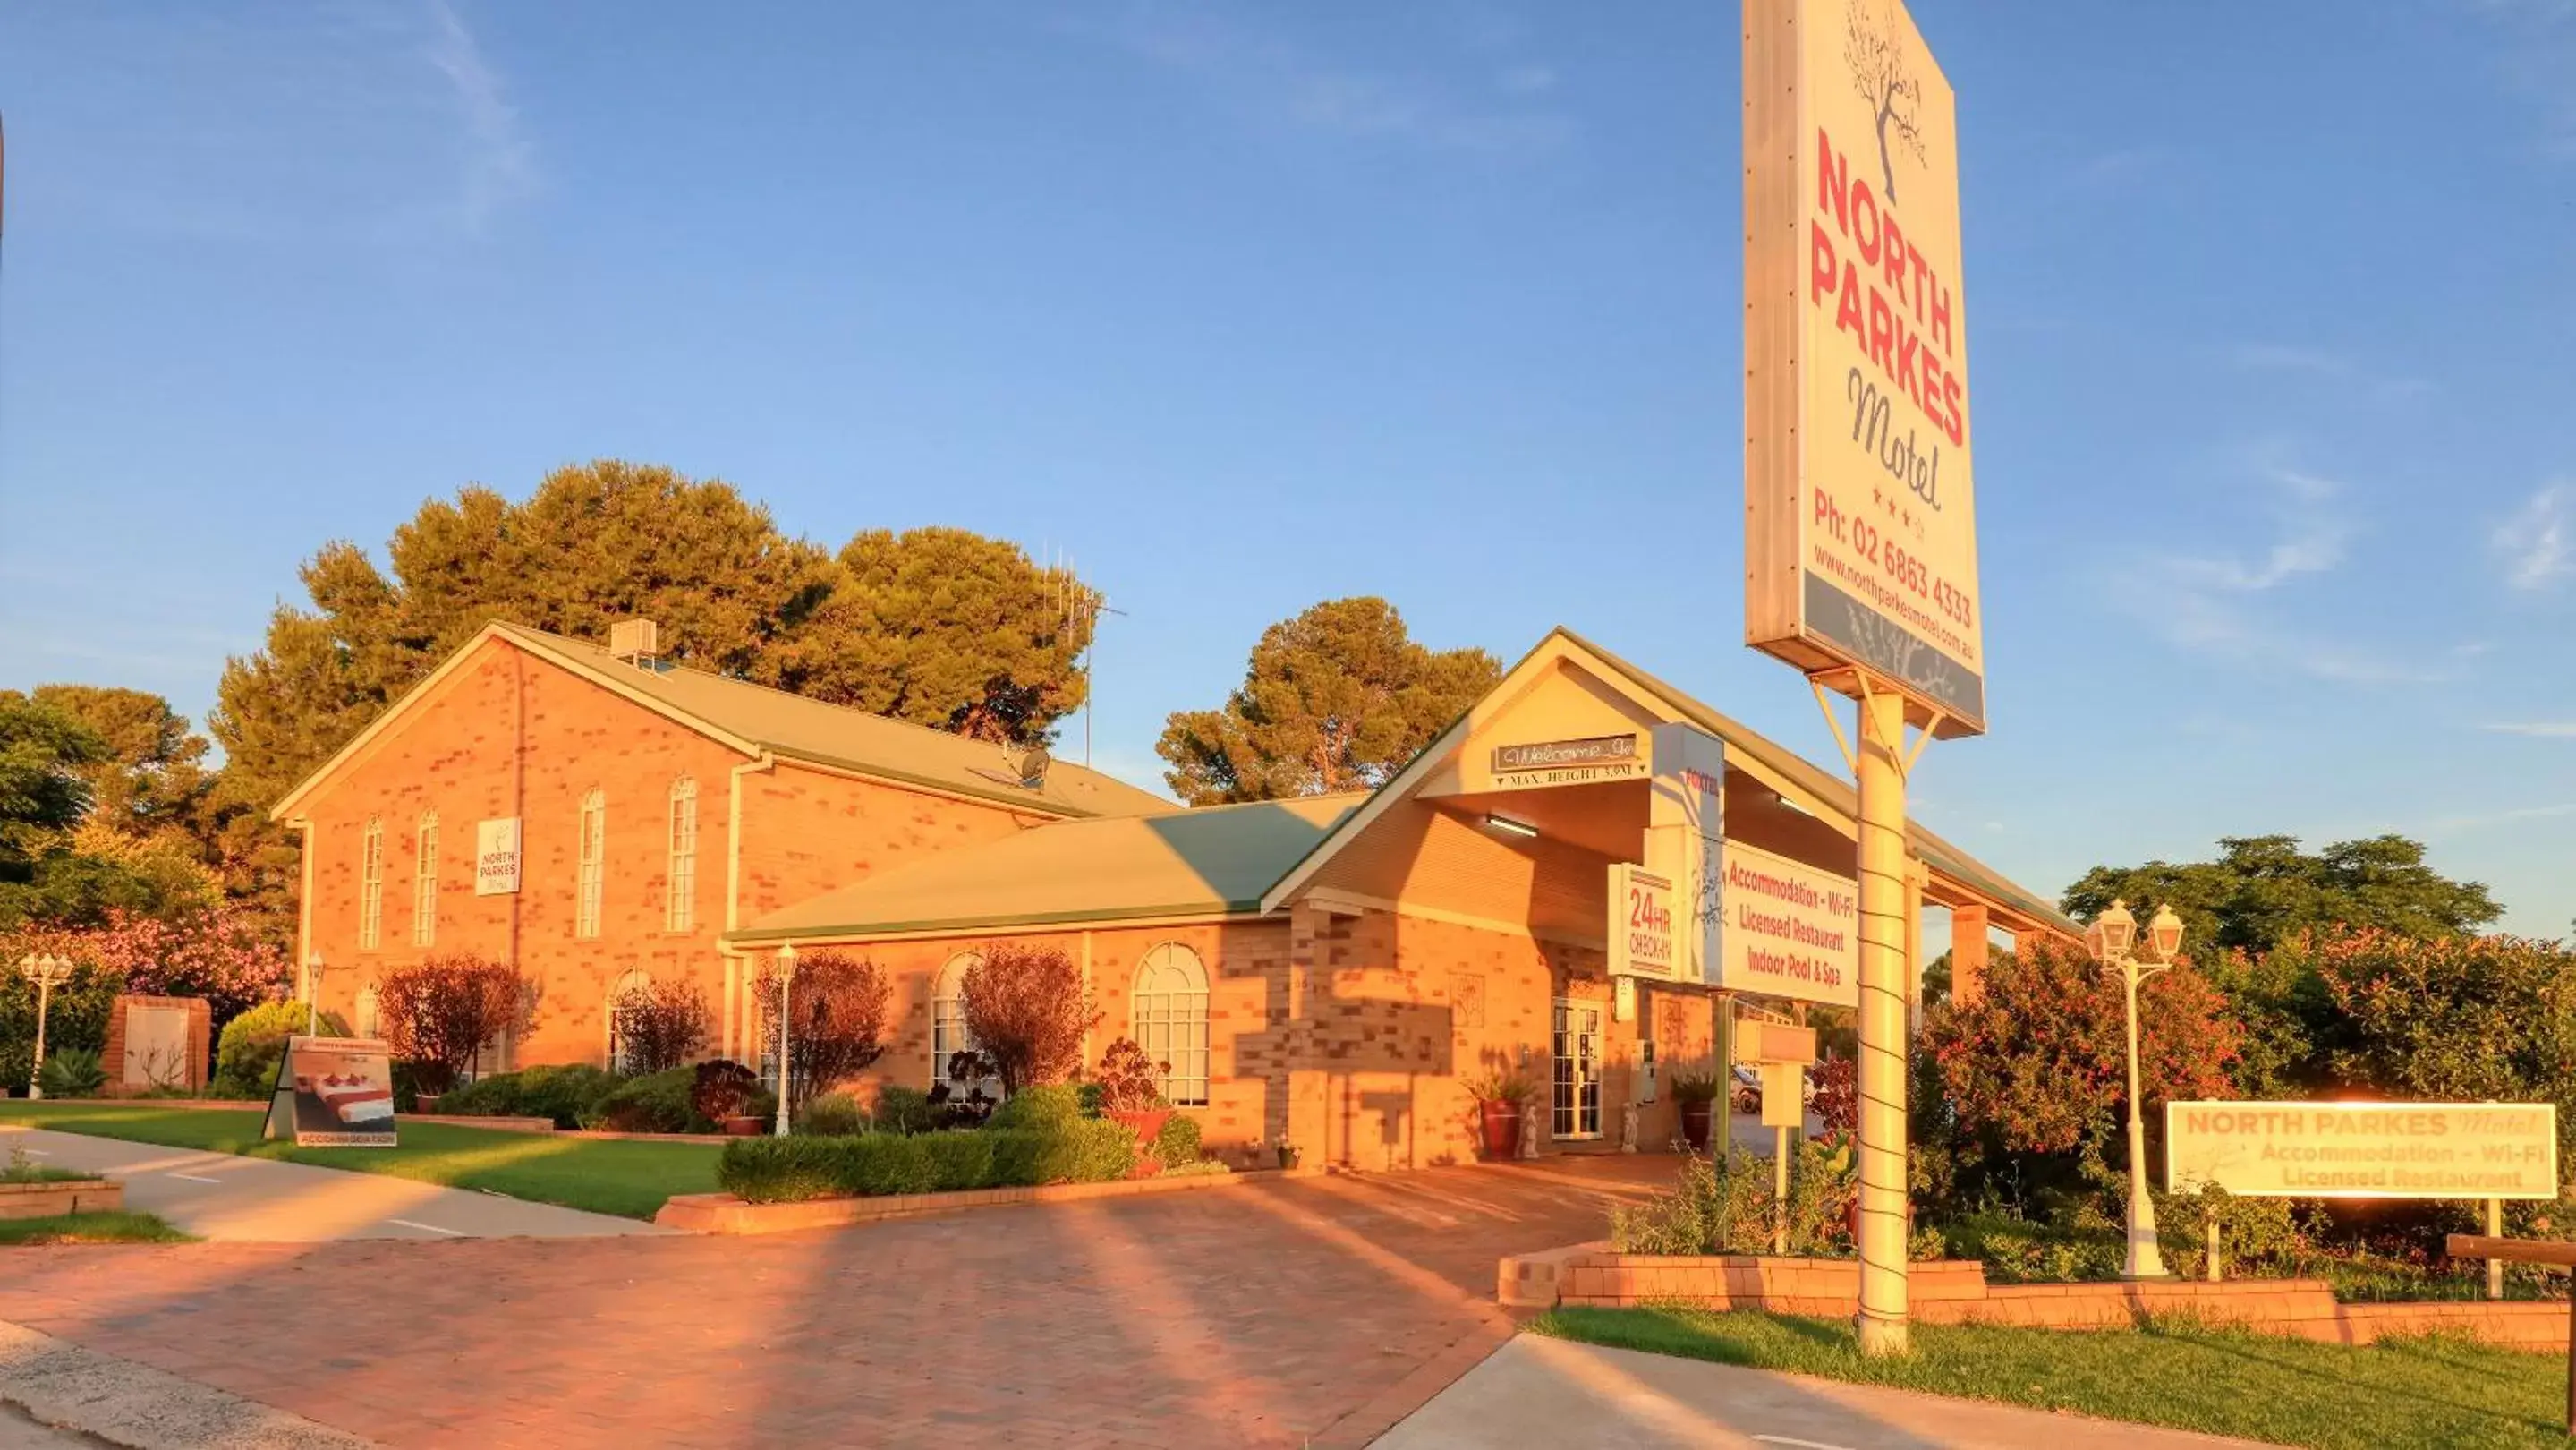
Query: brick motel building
[(1328, 970)]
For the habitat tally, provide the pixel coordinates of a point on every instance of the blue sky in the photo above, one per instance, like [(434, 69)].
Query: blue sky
[(1241, 307)]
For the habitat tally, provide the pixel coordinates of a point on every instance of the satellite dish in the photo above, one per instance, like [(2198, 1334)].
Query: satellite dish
[(1033, 768)]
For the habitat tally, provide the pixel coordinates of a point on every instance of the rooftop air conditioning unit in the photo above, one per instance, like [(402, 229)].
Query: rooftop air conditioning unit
[(635, 641)]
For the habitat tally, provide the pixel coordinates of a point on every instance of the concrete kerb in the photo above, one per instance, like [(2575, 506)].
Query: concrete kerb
[(123, 1403), (723, 1213)]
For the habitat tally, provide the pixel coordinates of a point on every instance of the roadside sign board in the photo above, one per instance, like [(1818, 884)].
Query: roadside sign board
[(1792, 930), (2363, 1150), (1860, 502), (333, 1092), (1643, 937)]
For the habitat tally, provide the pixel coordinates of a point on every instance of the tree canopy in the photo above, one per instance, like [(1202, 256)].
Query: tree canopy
[(2263, 891), (938, 626), (1338, 698)]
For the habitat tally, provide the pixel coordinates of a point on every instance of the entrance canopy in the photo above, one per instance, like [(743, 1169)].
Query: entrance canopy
[(1562, 751)]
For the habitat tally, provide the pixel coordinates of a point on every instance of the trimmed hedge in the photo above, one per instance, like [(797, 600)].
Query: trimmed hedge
[(657, 1102), (789, 1170), (569, 1094), (1177, 1146)]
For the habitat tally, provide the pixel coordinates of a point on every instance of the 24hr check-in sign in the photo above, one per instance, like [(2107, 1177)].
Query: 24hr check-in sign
[(2363, 1150), (1860, 501)]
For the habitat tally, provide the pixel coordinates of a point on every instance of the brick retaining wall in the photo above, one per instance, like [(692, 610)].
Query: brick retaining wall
[(1952, 1292)]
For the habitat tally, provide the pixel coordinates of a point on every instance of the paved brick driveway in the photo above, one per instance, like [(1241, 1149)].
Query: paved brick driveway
[(1316, 1311)]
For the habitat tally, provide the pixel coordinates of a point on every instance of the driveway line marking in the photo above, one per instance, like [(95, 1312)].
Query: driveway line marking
[(454, 1233), (193, 1178)]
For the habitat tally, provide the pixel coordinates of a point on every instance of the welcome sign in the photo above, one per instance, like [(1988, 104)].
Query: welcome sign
[(1860, 496), (2364, 1150)]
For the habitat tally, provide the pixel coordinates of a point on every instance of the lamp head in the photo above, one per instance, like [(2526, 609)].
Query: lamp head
[(2116, 929), (2164, 934)]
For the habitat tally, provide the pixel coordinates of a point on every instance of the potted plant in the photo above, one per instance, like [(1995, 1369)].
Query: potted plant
[(1128, 1092), (1696, 1092), (1286, 1150), (1499, 1096)]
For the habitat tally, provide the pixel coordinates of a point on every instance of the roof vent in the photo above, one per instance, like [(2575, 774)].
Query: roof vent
[(635, 641)]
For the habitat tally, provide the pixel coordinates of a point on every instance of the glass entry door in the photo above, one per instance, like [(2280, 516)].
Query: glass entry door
[(1578, 1070)]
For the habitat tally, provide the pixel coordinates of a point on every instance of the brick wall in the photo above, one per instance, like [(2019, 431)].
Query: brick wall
[(190, 1072), (510, 734)]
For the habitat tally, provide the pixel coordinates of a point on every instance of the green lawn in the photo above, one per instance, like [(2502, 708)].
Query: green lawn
[(616, 1176), (90, 1228), (2430, 1392)]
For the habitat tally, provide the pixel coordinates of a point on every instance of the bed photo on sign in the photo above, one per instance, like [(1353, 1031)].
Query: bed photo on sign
[(343, 1090)]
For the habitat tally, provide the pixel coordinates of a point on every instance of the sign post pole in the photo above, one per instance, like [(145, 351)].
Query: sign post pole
[(1881, 768), (2495, 1230)]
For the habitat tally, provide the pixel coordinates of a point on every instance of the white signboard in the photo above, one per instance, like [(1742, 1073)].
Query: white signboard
[(2364, 1150), (1792, 930), (496, 857), (1642, 938), (1685, 834)]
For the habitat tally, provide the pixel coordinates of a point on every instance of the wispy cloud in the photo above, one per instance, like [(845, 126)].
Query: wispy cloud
[(2340, 368), (2537, 546), (2449, 825), (500, 163), (1256, 68), (2314, 535), (2538, 729), (2214, 605)]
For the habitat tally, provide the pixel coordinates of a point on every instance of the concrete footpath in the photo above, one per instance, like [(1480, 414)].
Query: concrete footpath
[(56, 1394), (228, 1198), (1540, 1391)]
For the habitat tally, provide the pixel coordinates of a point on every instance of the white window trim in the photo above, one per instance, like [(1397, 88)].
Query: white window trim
[(371, 885), (630, 979), (680, 905), (591, 881), (1171, 1021), (948, 1030), (424, 881)]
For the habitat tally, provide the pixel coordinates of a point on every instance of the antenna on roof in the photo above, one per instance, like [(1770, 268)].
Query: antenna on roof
[(1082, 608)]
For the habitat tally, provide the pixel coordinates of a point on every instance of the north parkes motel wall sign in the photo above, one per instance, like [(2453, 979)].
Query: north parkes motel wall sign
[(1860, 503)]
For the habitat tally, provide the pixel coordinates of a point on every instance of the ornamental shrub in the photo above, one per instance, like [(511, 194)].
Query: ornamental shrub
[(787, 1170), (247, 1053), (1178, 1144), (833, 1115), (1127, 1079), (905, 1110), (568, 1094), (659, 1026), (1050, 1106), (1028, 1007), (721, 1088), (655, 1103), (1724, 1206), (71, 1072)]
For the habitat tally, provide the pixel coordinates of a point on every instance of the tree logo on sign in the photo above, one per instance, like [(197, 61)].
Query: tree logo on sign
[(1874, 48)]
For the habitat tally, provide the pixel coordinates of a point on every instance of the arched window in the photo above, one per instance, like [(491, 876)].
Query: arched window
[(594, 850), (948, 1034), (370, 1018), (679, 911), (424, 882), (371, 885), (633, 980), (1170, 1004)]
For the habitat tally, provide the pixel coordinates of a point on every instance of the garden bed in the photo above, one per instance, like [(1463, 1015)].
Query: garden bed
[(723, 1213), (55, 1197), (1956, 1292)]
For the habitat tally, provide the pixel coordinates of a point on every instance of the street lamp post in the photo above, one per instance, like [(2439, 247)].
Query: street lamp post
[(2110, 939), (313, 994), (786, 983), (46, 971)]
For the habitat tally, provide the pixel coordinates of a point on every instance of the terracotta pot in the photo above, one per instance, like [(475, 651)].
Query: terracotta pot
[(1146, 1125), (745, 1125), (424, 1102), (1501, 1122), (1695, 1124)]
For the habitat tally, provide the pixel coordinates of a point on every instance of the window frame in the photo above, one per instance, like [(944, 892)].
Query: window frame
[(424, 881), (371, 885), (680, 890), (948, 1031), (591, 873), (1168, 1017)]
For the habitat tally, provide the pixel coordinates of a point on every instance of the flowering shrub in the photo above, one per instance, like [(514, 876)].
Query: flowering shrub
[(1128, 1079), (217, 954), (1838, 1093)]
